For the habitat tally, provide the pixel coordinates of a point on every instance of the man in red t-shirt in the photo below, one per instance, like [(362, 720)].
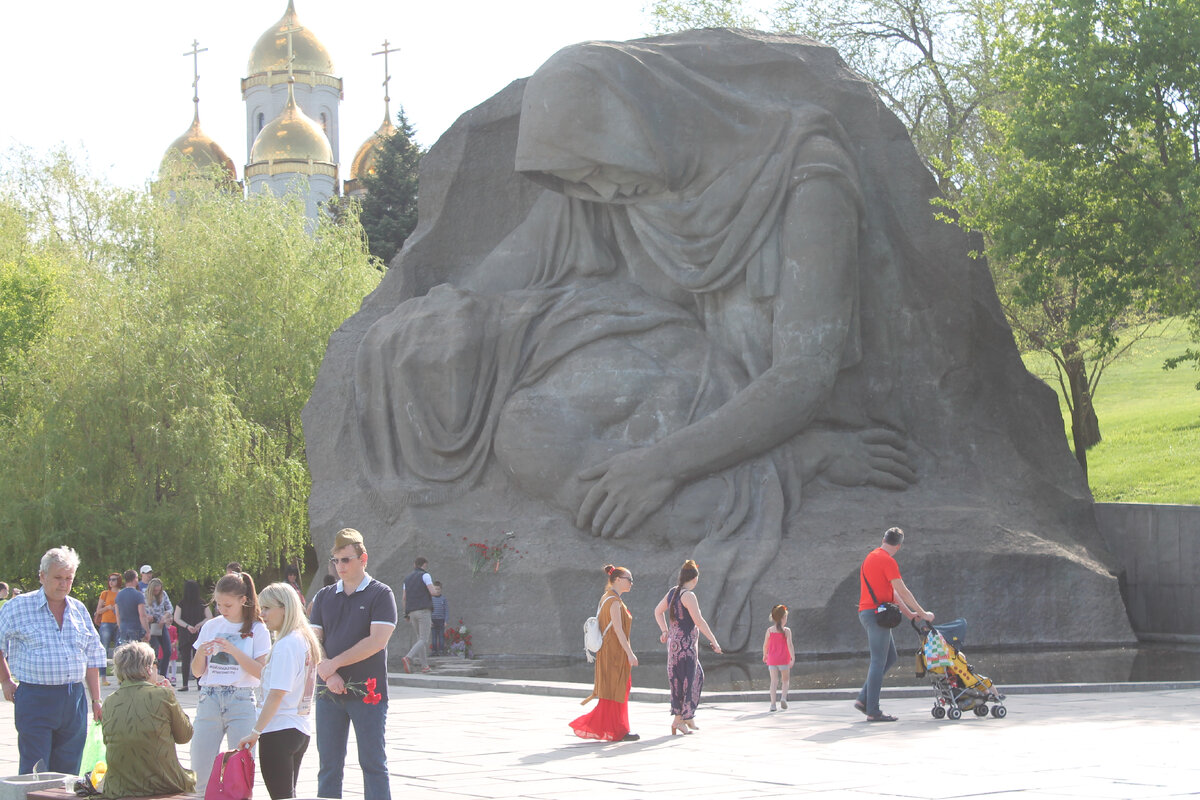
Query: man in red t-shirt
[(880, 574)]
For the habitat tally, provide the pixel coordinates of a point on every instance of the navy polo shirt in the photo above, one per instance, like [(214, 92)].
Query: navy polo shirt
[(345, 620)]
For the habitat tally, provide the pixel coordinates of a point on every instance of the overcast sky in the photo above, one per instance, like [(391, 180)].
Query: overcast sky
[(110, 77)]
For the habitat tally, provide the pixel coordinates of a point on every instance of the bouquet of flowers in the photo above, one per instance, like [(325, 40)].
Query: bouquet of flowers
[(459, 639), (483, 555), (365, 688)]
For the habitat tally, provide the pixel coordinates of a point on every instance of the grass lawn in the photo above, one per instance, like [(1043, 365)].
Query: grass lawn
[(1149, 421)]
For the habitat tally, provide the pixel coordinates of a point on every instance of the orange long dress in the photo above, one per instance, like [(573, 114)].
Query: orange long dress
[(609, 720)]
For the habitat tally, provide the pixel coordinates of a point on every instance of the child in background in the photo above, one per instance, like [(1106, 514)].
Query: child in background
[(779, 654), (438, 629), (230, 652)]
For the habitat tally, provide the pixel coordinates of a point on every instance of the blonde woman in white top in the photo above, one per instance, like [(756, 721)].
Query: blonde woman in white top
[(282, 730)]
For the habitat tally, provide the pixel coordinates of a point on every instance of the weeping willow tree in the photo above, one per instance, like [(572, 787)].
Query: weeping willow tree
[(155, 414)]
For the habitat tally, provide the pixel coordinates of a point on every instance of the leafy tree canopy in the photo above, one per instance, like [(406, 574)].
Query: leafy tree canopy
[(157, 417)]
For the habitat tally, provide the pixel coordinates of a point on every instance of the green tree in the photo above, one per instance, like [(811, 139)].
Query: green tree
[(389, 211), (933, 61), (158, 419), (1092, 192)]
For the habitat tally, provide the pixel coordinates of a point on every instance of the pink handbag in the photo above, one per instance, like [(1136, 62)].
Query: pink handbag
[(232, 776)]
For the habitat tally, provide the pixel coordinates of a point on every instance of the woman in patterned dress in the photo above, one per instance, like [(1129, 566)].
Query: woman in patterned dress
[(679, 618)]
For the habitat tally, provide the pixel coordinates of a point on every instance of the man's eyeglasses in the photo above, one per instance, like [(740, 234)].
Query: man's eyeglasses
[(344, 559)]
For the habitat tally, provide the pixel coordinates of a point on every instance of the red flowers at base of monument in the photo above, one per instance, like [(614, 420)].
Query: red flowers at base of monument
[(482, 555)]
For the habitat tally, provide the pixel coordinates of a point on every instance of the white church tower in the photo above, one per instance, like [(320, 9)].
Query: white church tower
[(292, 100)]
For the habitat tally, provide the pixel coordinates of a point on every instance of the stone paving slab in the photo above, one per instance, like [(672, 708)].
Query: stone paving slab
[(447, 744)]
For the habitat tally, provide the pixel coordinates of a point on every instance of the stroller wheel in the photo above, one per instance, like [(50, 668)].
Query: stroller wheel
[(981, 710), (938, 712), (999, 712), (954, 713)]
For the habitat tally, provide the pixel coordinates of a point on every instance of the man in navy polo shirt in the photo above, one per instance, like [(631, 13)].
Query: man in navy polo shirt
[(354, 618)]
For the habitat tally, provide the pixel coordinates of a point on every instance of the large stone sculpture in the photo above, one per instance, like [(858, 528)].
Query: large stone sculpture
[(687, 296)]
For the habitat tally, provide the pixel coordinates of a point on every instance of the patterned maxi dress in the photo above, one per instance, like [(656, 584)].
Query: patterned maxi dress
[(685, 676)]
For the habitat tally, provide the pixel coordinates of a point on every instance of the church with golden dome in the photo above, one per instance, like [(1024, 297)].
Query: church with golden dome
[(292, 96)]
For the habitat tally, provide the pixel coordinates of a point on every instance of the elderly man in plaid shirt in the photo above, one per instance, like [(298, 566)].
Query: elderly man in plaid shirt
[(50, 647)]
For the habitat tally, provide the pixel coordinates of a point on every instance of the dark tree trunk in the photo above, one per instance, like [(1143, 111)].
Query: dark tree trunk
[(1085, 427)]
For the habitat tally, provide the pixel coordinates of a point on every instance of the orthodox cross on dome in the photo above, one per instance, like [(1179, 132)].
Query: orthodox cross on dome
[(291, 56), (387, 114), (195, 54)]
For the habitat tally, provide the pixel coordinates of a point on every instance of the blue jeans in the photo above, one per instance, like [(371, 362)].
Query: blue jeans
[(108, 638), (221, 712), (883, 658), (51, 724), (334, 715)]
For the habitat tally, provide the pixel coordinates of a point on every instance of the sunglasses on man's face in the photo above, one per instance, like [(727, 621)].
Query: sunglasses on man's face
[(343, 559)]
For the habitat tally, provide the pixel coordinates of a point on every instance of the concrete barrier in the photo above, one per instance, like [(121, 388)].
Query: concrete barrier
[(1158, 549)]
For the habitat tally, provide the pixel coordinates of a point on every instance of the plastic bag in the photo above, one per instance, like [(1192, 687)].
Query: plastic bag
[(94, 751), (937, 652)]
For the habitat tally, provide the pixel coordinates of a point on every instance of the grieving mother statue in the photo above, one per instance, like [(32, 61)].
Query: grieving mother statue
[(654, 350)]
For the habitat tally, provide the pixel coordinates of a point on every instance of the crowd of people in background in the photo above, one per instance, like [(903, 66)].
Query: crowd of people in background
[(262, 661)]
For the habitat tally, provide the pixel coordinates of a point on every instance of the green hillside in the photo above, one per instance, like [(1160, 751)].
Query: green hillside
[(1149, 421)]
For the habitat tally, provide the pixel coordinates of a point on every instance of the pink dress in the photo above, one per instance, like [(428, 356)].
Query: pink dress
[(777, 651)]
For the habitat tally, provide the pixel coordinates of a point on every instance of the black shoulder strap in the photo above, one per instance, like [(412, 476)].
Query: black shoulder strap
[(874, 599)]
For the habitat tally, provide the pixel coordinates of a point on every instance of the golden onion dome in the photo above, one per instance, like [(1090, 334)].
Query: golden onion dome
[(196, 145), (365, 159), (292, 136), (270, 54)]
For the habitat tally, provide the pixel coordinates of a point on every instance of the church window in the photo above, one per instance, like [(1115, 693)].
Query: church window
[(261, 120)]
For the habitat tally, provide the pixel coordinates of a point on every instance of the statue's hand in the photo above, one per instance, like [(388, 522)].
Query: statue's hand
[(874, 457), (628, 488)]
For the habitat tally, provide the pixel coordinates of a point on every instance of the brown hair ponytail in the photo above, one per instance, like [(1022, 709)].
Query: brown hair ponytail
[(242, 585), (615, 572), (688, 571)]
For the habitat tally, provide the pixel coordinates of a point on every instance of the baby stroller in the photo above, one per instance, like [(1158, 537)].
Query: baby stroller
[(956, 685)]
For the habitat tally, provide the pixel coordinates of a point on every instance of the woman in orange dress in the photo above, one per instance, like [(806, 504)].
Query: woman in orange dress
[(609, 720)]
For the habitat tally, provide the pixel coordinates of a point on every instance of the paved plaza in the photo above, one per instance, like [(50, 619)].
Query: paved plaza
[(454, 743)]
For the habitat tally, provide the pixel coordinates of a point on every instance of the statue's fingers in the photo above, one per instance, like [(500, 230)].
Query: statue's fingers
[(886, 451), (630, 523), (883, 436), (587, 509), (614, 525), (594, 472), (891, 474), (602, 514)]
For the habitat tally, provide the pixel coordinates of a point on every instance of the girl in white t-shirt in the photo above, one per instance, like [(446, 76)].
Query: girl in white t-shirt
[(282, 731), (230, 652)]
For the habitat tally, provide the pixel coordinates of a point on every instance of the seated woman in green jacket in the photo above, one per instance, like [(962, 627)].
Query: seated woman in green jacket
[(142, 724)]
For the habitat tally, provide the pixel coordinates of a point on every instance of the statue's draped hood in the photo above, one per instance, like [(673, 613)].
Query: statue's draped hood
[(715, 162)]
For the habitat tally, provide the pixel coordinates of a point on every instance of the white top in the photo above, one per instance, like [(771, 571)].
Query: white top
[(290, 669), (223, 670)]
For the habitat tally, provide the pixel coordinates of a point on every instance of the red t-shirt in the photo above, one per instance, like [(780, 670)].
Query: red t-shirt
[(880, 569)]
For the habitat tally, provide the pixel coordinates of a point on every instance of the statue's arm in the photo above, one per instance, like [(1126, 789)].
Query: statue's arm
[(812, 315), (558, 240)]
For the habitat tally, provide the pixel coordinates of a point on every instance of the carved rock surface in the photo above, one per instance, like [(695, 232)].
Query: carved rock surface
[(701, 224)]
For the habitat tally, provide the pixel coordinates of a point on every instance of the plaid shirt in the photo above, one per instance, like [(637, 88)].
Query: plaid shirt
[(38, 651)]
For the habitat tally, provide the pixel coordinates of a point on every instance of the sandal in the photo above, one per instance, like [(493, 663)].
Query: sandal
[(881, 718), (860, 706)]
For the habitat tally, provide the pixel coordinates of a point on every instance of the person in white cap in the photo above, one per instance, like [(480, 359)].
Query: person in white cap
[(147, 572)]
